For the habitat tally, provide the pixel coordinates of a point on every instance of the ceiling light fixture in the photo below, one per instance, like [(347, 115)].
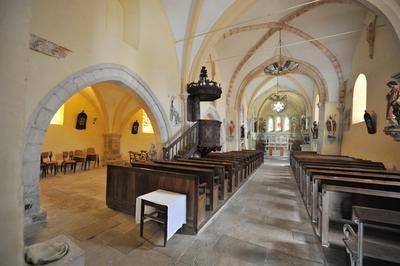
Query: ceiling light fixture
[(279, 100), (281, 67)]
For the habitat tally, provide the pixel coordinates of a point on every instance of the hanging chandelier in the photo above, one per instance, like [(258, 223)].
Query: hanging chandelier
[(281, 66), (279, 100)]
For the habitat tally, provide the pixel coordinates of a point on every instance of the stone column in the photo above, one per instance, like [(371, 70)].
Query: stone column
[(112, 145), (340, 123), (184, 110), (15, 28)]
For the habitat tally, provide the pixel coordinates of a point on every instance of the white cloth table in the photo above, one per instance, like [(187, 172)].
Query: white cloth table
[(176, 204)]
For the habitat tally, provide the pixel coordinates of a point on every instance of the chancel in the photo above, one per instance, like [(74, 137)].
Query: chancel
[(200, 132)]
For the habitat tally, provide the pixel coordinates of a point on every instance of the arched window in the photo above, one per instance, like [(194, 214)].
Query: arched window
[(286, 124), (270, 125), (316, 109), (58, 118), (147, 127), (359, 99), (278, 123)]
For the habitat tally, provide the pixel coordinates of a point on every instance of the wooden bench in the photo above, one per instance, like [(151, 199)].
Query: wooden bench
[(219, 171), (358, 247), (242, 167), (228, 169), (302, 164), (388, 189), (237, 167), (207, 177), (250, 159), (373, 174), (125, 184)]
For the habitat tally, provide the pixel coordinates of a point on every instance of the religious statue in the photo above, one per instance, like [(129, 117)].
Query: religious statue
[(173, 113), (314, 130), (153, 152), (393, 103), (331, 127), (242, 131), (370, 122), (135, 127), (81, 120), (303, 123), (231, 128)]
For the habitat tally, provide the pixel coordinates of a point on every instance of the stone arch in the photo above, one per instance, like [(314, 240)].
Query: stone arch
[(276, 26), (40, 118), (304, 68), (303, 97), (302, 92)]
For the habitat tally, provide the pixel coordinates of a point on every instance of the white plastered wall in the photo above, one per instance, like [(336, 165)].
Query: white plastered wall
[(386, 62)]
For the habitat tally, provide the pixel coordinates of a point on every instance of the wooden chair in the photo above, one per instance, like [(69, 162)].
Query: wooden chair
[(80, 157), (68, 161), (92, 156), (47, 163)]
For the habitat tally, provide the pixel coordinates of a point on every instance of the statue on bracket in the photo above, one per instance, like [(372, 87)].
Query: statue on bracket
[(153, 152), (370, 122), (393, 103), (135, 127), (81, 121), (393, 109), (242, 131), (314, 130), (331, 126), (173, 112), (231, 129)]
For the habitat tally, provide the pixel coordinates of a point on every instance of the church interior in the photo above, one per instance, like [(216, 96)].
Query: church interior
[(200, 132)]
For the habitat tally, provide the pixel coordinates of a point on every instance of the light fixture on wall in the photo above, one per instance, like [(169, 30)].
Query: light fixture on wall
[(281, 66)]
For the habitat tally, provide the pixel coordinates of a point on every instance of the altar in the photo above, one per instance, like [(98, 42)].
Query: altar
[(278, 144)]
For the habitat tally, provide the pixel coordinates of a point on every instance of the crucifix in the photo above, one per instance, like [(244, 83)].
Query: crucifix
[(371, 36)]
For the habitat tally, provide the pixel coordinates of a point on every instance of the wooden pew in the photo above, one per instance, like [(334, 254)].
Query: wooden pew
[(207, 176), (358, 247), (228, 167), (250, 159), (327, 189), (346, 172), (358, 181), (125, 184), (219, 171), (242, 170), (356, 163), (320, 181), (237, 167)]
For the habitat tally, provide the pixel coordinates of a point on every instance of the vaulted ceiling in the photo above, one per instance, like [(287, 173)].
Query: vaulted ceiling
[(240, 38)]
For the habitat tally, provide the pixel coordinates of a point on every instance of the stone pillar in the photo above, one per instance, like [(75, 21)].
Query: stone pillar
[(112, 145), (193, 105), (14, 29), (184, 110), (340, 122)]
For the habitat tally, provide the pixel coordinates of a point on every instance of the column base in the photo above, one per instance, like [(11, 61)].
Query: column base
[(36, 217)]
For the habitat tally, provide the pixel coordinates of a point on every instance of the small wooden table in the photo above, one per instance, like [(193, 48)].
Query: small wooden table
[(173, 206), (365, 215)]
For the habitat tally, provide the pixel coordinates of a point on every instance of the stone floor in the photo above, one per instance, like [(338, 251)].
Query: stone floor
[(265, 223)]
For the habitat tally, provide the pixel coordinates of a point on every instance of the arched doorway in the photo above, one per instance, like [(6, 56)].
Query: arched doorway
[(40, 119)]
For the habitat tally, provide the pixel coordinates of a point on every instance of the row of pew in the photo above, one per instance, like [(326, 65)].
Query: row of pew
[(332, 185), (207, 182)]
